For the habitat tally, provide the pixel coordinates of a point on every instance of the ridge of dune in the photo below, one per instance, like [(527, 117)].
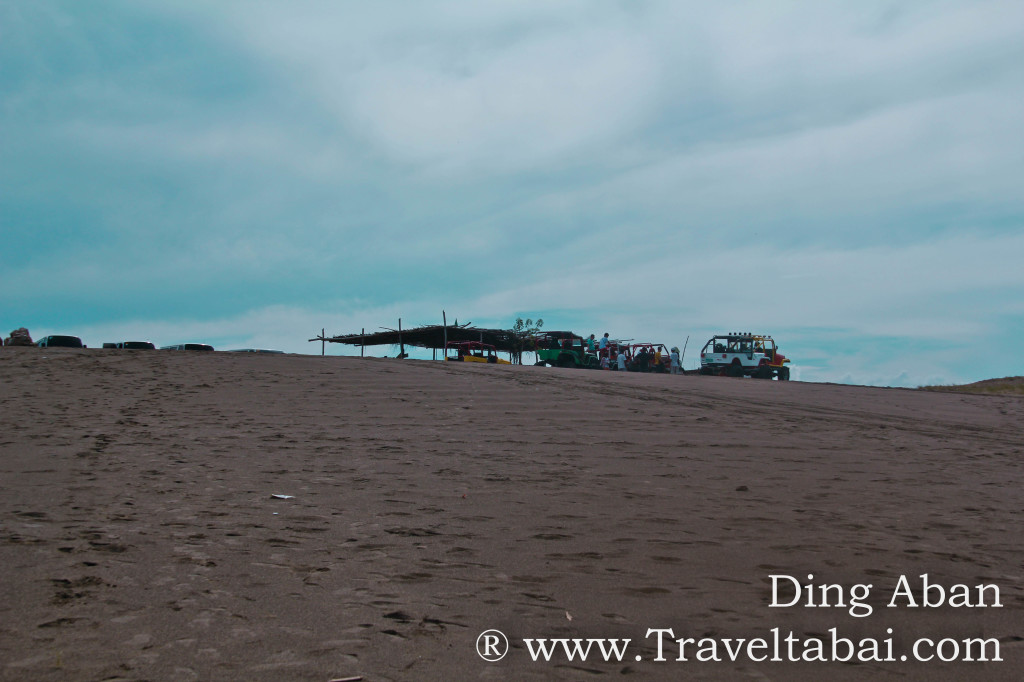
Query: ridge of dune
[(1000, 386)]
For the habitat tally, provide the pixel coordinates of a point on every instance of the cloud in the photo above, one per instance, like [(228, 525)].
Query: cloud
[(453, 89), (893, 290), (530, 104)]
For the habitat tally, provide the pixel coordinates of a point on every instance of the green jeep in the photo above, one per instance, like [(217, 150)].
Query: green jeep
[(564, 349)]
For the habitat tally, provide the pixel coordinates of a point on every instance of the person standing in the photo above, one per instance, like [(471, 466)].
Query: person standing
[(604, 341), (674, 360), (591, 343), (643, 361), (621, 360)]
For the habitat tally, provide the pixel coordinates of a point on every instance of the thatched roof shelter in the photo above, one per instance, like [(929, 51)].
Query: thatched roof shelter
[(431, 336), (510, 341)]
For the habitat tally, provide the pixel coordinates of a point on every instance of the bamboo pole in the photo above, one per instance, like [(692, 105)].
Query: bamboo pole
[(401, 346), (444, 319), (323, 342), (362, 343)]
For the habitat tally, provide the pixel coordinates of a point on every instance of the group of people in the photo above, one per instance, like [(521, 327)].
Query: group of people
[(594, 346), (641, 362)]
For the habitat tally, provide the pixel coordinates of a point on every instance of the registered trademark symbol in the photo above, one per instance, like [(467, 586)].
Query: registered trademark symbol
[(492, 645)]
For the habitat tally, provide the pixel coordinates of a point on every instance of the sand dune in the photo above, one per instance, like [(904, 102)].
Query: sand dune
[(1002, 386), (429, 502)]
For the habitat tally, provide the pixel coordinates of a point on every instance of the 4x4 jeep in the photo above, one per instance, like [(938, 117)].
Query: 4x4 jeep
[(655, 357), (743, 354), (564, 349), (472, 351)]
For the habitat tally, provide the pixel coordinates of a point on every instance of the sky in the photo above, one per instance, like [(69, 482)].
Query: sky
[(846, 177)]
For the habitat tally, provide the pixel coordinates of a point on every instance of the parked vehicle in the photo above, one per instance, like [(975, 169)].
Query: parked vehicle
[(131, 345), (613, 350), (657, 357), (740, 354), (188, 346), (472, 351), (564, 349), (60, 341)]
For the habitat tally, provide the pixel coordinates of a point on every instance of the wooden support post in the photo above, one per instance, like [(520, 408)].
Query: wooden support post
[(362, 343), (401, 346), (323, 342), (444, 321)]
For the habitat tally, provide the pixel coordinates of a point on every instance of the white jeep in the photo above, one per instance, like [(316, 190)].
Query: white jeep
[(740, 354)]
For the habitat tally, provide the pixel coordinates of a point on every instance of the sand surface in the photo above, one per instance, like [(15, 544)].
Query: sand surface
[(139, 538)]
